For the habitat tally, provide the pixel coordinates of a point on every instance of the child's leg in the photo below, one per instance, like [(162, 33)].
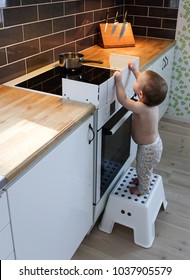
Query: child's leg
[(147, 158), (135, 181)]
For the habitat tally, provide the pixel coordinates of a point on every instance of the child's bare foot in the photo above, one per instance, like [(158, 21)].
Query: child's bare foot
[(134, 190), (135, 181)]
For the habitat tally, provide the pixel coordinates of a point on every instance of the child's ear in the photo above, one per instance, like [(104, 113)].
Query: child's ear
[(141, 94)]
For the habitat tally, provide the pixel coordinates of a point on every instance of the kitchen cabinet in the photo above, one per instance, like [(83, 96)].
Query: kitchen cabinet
[(51, 203), (163, 66), (6, 244)]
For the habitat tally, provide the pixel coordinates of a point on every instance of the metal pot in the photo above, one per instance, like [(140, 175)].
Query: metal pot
[(73, 61)]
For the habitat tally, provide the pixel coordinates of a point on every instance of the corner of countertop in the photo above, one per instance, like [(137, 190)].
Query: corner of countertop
[(3, 181)]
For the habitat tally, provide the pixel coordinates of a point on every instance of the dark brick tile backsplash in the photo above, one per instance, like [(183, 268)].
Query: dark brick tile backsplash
[(169, 23), (158, 3), (12, 71), (138, 10), (9, 3), (108, 3), (65, 48), (161, 33), (90, 29), (11, 36), (1, 19), (147, 21), (37, 29), (85, 18), (171, 3), (92, 5), (145, 15), (63, 23), (140, 31), (74, 35), (84, 43), (74, 7), (29, 2), (50, 11), (163, 12), (34, 32), (19, 51), (40, 60), (2, 57), (20, 15), (52, 41)]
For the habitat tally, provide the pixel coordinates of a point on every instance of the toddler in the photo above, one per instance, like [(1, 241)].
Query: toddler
[(151, 90)]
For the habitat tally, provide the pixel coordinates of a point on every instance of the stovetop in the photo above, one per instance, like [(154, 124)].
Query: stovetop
[(51, 80)]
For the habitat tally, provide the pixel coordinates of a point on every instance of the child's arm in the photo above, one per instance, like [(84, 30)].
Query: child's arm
[(125, 101), (132, 67)]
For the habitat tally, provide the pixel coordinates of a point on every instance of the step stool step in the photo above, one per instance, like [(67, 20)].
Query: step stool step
[(138, 212)]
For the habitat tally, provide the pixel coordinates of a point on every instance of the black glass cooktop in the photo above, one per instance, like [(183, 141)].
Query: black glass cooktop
[(51, 80)]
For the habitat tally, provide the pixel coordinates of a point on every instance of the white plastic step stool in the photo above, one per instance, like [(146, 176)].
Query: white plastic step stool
[(138, 212)]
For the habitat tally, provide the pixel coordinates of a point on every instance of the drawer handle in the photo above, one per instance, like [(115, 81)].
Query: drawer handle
[(93, 133), (164, 62)]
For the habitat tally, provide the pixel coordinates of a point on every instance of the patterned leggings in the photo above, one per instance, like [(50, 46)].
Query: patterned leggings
[(148, 156)]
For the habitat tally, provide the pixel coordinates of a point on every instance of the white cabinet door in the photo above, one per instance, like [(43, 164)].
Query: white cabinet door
[(4, 214), (163, 66), (6, 244), (51, 204)]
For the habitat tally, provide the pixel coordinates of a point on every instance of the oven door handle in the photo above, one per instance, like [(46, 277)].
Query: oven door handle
[(117, 125)]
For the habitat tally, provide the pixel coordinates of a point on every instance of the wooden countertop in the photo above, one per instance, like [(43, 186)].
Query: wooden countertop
[(30, 123), (147, 49)]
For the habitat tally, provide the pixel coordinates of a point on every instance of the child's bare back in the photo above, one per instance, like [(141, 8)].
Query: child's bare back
[(145, 126)]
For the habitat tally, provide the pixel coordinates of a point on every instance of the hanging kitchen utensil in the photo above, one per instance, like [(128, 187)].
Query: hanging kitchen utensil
[(73, 61), (106, 25), (115, 24), (123, 26)]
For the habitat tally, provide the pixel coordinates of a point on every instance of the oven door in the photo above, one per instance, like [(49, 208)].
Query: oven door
[(114, 150)]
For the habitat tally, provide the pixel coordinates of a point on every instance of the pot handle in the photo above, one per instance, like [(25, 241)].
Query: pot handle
[(89, 60)]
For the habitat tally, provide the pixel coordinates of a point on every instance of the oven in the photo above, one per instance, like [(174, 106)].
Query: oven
[(115, 137), (114, 149), (114, 152)]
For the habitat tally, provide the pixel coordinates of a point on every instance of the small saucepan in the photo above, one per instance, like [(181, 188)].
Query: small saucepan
[(73, 61)]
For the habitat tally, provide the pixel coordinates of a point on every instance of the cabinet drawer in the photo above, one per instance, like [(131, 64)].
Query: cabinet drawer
[(164, 65), (4, 214), (6, 245)]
